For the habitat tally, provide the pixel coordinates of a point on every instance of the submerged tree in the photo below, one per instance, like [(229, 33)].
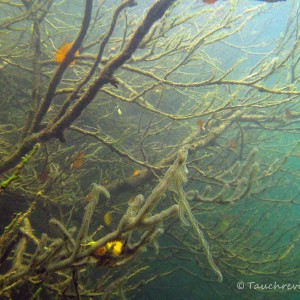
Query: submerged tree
[(139, 102)]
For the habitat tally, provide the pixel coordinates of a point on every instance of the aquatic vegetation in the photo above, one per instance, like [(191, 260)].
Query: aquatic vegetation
[(19, 167), (69, 250), (162, 141)]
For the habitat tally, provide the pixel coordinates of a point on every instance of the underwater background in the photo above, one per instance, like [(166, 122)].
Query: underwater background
[(149, 149)]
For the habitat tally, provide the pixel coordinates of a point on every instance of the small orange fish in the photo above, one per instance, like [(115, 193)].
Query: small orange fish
[(159, 89), (288, 114), (88, 197), (210, 167), (232, 144), (136, 173), (78, 161), (200, 124), (44, 176), (210, 1), (100, 251), (62, 53)]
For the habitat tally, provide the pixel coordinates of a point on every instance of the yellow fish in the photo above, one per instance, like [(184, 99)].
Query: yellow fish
[(136, 173), (107, 218)]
